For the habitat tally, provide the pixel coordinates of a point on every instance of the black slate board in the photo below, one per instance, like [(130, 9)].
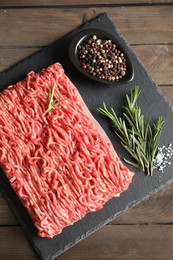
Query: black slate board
[(153, 104)]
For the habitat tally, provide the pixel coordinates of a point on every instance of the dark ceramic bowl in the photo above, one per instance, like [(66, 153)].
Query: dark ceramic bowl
[(83, 36)]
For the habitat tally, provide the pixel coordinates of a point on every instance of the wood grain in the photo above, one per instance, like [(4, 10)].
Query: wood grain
[(6, 216), (158, 60), (14, 245), (127, 242), (9, 57), (19, 3), (39, 27), (158, 209)]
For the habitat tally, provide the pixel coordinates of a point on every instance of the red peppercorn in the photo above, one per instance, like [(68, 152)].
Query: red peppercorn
[(106, 76), (84, 66)]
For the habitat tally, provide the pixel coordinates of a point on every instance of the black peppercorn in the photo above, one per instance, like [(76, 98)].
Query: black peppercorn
[(102, 59)]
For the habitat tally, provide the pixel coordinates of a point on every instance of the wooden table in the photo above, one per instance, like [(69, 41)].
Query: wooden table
[(145, 232)]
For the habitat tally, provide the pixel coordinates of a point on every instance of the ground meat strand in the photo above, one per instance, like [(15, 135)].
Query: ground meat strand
[(61, 165)]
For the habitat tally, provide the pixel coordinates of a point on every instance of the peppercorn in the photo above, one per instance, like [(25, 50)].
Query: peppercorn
[(123, 73), (84, 66), (102, 59)]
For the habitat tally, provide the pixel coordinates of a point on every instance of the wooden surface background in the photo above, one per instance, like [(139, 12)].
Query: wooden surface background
[(144, 232)]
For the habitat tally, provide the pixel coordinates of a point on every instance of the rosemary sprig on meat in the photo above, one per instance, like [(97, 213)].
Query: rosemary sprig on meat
[(139, 139), (53, 102)]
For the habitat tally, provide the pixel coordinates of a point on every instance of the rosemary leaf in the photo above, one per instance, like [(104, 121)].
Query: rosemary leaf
[(140, 140), (136, 165), (53, 102), (155, 141)]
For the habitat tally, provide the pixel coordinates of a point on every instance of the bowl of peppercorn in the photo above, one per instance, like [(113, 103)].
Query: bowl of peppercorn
[(99, 56)]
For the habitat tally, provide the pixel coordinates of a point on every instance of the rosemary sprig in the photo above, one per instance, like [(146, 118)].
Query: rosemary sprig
[(140, 140), (53, 102)]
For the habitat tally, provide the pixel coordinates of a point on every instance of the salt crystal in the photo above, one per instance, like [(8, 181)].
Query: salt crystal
[(161, 160)]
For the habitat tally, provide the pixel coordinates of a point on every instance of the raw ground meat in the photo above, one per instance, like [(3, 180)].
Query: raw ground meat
[(61, 165)]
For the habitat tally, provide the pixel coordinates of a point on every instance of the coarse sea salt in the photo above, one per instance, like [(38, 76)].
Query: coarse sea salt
[(163, 157)]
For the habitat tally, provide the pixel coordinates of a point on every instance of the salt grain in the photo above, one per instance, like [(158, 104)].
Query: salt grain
[(161, 160)]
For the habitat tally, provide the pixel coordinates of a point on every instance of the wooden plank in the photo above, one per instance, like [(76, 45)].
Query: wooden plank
[(157, 209), (125, 242), (14, 245), (168, 92), (41, 26), (6, 216), (158, 59), (110, 242), (6, 3), (9, 57)]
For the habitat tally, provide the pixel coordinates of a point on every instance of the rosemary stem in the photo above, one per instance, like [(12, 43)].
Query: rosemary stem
[(140, 140), (52, 101)]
